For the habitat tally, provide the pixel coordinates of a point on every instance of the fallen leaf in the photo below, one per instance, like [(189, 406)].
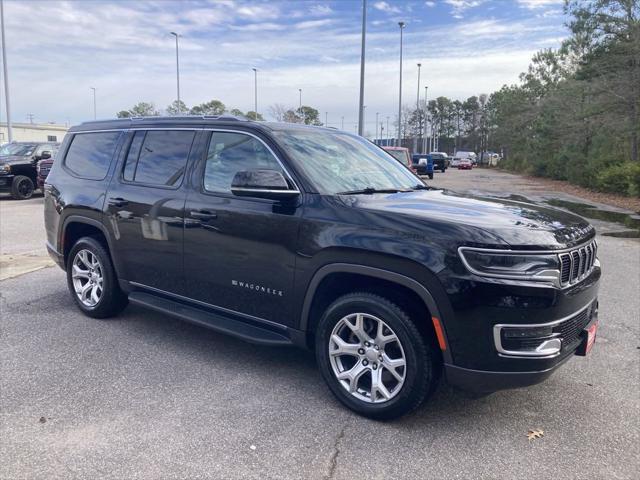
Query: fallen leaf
[(43, 419), (533, 434)]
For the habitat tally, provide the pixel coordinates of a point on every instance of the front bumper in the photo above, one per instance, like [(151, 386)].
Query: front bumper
[(5, 183)]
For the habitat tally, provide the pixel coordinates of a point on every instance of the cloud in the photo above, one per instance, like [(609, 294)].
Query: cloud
[(385, 7), (533, 4), (430, 4), (460, 6), (320, 10), (313, 24)]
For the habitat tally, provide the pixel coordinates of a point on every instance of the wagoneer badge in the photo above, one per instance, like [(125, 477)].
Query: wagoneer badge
[(257, 288)]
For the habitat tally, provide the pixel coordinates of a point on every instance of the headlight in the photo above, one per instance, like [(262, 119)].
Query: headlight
[(517, 265), (5, 168)]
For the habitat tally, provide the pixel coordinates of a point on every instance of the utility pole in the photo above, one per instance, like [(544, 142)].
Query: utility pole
[(342, 122), (177, 72), (361, 104), (401, 25), (95, 115), (6, 75), (415, 142), (376, 139), (255, 92), (30, 115), (387, 130), (326, 119), (426, 120)]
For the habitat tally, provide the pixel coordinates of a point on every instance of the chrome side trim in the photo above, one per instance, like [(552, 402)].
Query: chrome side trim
[(497, 338), (279, 326), (264, 190)]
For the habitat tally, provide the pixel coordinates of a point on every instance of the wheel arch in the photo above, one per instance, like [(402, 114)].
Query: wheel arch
[(76, 227), (318, 285)]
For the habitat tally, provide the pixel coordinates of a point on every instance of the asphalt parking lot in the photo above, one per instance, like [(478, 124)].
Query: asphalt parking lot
[(146, 396)]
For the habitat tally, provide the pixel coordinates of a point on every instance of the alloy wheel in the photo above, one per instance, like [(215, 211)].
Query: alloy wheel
[(367, 358), (87, 277)]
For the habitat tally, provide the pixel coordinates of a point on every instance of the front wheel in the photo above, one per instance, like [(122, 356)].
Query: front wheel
[(431, 176), (373, 358), (22, 187)]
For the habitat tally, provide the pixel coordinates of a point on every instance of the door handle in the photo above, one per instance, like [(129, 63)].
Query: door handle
[(203, 214), (118, 202)]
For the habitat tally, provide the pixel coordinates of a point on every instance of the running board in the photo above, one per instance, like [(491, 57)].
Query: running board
[(214, 321)]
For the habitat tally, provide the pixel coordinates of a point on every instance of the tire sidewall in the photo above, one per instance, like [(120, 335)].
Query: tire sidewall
[(15, 190), (104, 305), (415, 352)]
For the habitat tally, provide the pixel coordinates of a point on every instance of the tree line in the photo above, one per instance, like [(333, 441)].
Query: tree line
[(213, 107)]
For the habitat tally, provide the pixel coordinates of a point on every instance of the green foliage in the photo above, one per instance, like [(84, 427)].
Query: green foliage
[(141, 109), (214, 107), (574, 115), (177, 108)]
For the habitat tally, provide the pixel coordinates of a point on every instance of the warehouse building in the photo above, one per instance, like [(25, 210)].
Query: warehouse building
[(33, 132)]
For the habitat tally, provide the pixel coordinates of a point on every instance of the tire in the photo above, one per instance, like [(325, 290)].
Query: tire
[(431, 176), (420, 372), (22, 187), (108, 300), (443, 170)]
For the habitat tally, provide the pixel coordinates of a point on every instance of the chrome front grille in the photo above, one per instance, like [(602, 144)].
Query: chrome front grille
[(577, 264)]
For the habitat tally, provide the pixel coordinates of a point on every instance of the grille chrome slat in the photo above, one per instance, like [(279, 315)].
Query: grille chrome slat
[(577, 264)]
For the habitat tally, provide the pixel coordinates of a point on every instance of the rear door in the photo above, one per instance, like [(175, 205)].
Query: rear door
[(145, 207)]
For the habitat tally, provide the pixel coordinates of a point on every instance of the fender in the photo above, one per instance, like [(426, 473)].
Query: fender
[(394, 277), (94, 223)]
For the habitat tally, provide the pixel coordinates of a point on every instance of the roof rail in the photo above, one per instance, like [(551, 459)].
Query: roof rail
[(204, 117)]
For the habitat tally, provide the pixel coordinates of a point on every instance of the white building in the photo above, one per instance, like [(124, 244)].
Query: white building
[(33, 132)]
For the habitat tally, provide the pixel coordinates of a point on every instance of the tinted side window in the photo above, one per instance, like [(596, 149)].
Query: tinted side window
[(90, 154), (230, 153), (160, 158)]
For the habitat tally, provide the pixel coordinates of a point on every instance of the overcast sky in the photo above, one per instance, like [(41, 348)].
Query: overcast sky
[(57, 50)]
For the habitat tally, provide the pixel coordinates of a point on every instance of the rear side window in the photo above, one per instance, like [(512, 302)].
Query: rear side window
[(158, 157), (90, 154)]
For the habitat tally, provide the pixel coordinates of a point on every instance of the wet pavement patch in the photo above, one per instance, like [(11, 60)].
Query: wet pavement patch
[(590, 211)]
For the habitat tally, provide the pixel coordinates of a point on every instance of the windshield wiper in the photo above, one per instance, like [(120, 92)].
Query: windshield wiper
[(421, 187), (370, 190)]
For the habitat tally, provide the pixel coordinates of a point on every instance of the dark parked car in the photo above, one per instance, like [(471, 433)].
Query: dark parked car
[(284, 234), (18, 166), (440, 161), (44, 167)]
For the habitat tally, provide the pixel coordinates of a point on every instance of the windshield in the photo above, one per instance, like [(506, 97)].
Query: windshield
[(338, 162), (19, 149)]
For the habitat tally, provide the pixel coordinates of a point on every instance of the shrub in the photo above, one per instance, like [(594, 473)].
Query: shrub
[(623, 178)]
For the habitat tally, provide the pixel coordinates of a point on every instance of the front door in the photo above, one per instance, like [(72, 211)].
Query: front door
[(145, 208), (239, 251)]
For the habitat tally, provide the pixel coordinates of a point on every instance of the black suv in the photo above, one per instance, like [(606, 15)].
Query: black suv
[(18, 166), (283, 234)]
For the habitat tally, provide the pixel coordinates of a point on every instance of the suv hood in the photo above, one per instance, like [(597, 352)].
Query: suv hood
[(521, 225)]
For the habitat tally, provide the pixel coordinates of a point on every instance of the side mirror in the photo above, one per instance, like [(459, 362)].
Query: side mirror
[(262, 184), (44, 155)]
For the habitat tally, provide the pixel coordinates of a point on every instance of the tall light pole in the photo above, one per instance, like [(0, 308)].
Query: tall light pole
[(6, 76), (255, 92), (326, 119), (300, 104), (95, 115), (387, 130), (401, 25), (415, 143), (375, 140), (361, 104), (177, 72), (342, 123), (426, 119)]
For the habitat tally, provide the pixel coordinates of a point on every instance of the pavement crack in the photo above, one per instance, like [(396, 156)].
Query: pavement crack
[(333, 461)]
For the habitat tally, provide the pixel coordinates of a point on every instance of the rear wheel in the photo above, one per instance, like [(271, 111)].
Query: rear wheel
[(92, 280), (373, 357), (22, 187), (431, 176)]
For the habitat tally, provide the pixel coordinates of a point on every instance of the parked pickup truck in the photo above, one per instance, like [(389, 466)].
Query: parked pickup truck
[(18, 166)]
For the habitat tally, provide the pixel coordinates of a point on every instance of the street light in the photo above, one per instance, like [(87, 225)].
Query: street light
[(426, 119), (94, 102), (300, 105), (415, 146), (177, 71), (361, 104), (326, 119), (342, 123), (375, 140), (387, 130), (255, 93), (401, 25), (6, 76)]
